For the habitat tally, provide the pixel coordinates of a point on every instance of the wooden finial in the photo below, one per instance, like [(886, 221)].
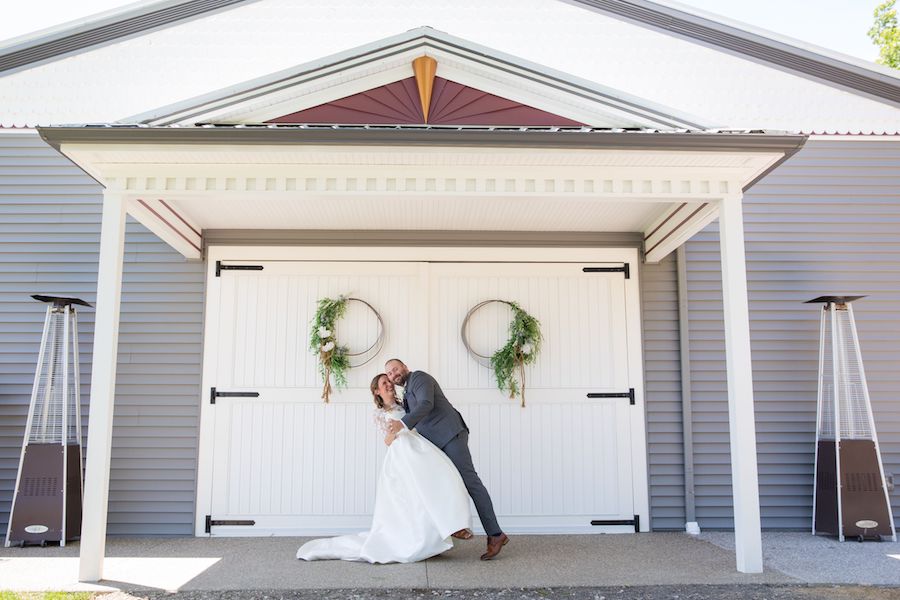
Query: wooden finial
[(425, 67)]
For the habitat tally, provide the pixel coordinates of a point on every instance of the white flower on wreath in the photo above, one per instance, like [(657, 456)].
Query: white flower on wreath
[(328, 347), (324, 333), (526, 349)]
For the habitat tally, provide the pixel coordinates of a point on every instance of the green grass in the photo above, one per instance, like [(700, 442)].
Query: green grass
[(65, 596), (7, 595)]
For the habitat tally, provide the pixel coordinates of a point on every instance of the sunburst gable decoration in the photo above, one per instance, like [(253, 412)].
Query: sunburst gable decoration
[(425, 69), (425, 98)]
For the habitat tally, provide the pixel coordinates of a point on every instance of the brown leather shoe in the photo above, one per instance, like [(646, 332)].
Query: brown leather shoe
[(462, 534), (495, 543)]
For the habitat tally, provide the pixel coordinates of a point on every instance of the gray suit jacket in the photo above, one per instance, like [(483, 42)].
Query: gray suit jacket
[(429, 412)]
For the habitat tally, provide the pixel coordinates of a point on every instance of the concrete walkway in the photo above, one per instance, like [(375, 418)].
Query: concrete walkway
[(648, 559)]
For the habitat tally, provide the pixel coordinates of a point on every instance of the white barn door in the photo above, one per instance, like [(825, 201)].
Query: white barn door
[(283, 462), (563, 461)]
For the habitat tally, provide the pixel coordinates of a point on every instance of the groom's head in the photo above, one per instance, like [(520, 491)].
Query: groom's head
[(396, 371)]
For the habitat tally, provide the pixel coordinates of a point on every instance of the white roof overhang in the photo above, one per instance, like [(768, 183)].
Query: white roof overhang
[(186, 183)]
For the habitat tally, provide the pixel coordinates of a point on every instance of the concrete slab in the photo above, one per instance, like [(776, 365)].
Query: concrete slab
[(592, 560), (135, 564), (538, 562)]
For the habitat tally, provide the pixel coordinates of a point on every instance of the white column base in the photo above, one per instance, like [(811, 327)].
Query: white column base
[(692, 527)]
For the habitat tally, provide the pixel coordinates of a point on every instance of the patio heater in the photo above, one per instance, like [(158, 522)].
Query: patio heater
[(850, 495), (46, 503)]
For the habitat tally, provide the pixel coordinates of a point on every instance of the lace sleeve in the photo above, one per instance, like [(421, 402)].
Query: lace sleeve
[(381, 421)]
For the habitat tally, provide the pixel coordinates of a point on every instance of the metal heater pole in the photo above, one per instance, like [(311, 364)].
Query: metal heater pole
[(836, 359), (819, 402)]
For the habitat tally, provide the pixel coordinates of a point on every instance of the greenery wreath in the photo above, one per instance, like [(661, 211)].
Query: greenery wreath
[(521, 348), (335, 358)]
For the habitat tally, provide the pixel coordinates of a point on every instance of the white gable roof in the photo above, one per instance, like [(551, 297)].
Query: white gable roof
[(224, 49), (386, 61)]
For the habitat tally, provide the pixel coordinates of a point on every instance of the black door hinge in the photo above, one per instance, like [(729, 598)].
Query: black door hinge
[(636, 522), (625, 269), (629, 394), (214, 393), (210, 523), (220, 267)]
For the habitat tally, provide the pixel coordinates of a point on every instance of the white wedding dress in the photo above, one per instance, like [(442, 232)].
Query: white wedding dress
[(420, 500)]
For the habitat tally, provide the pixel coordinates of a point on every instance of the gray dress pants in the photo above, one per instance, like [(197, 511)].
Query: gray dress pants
[(457, 450)]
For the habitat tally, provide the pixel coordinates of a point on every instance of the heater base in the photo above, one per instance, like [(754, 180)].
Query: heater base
[(50, 476), (863, 502)]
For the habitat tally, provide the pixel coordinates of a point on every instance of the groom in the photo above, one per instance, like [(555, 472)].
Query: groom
[(432, 415)]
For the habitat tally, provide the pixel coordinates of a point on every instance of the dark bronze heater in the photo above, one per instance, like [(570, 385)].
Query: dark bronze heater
[(850, 495), (46, 503)]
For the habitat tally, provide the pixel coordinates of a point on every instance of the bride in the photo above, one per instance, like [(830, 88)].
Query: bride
[(420, 500)]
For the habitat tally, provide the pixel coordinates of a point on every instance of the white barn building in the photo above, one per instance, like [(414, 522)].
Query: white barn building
[(660, 188)]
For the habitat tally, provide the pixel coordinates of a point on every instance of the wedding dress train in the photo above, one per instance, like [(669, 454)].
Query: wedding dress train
[(420, 501)]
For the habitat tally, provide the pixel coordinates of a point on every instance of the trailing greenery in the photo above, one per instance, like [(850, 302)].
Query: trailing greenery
[(885, 34), (521, 349), (334, 358)]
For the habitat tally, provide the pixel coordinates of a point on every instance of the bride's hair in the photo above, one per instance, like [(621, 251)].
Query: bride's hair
[(379, 401)]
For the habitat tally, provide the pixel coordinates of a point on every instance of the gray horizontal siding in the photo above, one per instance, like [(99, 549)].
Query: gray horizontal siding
[(49, 239), (824, 222), (662, 372)]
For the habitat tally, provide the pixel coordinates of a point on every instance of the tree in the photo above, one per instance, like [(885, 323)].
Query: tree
[(885, 34)]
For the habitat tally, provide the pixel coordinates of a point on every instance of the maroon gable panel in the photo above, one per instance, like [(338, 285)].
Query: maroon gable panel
[(394, 103), (451, 104), (455, 104)]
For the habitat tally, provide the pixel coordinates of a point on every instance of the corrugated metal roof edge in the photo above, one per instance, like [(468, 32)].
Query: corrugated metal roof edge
[(414, 135), (853, 133), (795, 56), (785, 144), (105, 27), (815, 132)]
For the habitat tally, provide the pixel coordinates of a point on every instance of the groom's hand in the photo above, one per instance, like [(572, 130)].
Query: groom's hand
[(395, 427)]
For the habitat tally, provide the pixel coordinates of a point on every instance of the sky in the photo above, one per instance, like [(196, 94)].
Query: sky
[(838, 25)]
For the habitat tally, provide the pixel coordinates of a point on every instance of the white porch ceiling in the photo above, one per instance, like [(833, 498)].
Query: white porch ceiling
[(462, 212), (180, 190)]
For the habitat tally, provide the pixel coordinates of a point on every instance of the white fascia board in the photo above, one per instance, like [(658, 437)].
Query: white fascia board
[(294, 99), (420, 253), (677, 230), (169, 228), (546, 98)]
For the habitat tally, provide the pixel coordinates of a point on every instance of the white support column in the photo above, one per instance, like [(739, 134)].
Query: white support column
[(741, 419), (103, 387)]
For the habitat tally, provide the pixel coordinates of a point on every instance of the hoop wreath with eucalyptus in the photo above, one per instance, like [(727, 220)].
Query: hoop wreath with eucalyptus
[(335, 358), (520, 349)]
